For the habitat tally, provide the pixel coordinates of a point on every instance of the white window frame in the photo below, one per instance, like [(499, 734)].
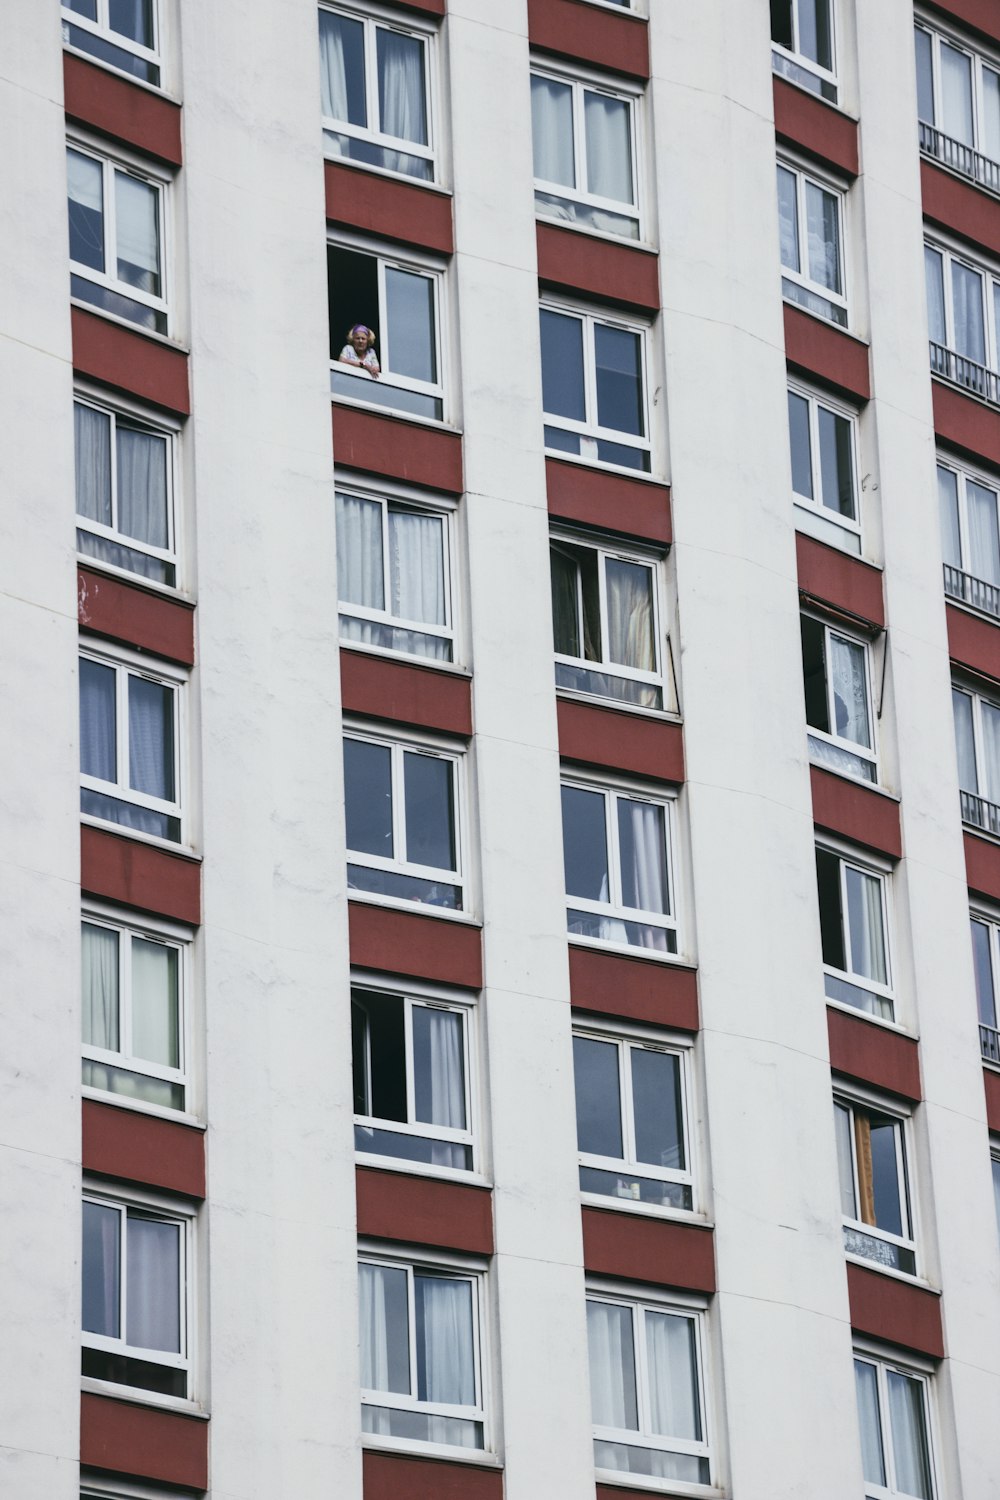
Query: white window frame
[(989, 278), (883, 874), (793, 61), (373, 21), (815, 506), (625, 1041), (162, 427), (461, 876), (102, 30), (870, 1354), (965, 475), (455, 1267), (184, 1216), (126, 1489), (857, 1100), (804, 175), (977, 699), (991, 921), (589, 431), (109, 165), (417, 997), (979, 61), (867, 753), (128, 664), (581, 82), (390, 497)]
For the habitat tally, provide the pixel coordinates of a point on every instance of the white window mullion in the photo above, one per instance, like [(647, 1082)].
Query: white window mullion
[(384, 331), (125, 941), (626, 1102), (371, 74), (590, 372), (122, 1275), (614, 854), (398, 794), (643, 1403), (579, 142), (411, 1091), (411, 1323)]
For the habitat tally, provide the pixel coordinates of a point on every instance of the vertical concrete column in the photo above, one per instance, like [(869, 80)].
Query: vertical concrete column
[(282, 1276), (956, 1227), (39, 781), (782, 1314), (542, 1356)]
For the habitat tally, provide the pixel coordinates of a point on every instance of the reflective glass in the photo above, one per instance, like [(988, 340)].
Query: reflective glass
[(368, 797), (562, 366), (101, 1270), (151, 738), (402, 86), (656, 1102), (430, 814), (409, 300), (98, 749), (951, 540), (585, 851), (788, 220), (618, 357), (925, 76), (153, 1251), (866, 1378), (798, 431), (835, 461), (982, 958), (598, 1102), (887, 1190), (612, 1366), (155, 1003), (86, 210)]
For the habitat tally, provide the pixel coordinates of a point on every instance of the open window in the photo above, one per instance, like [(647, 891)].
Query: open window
[(394, 575), (124, 492), (823, 443), (874, 1185), (836, 670), (958, 103), (853, 918), (617, 857), (130, 746), (894, 1418), (399, 304), (970, 537), (375, 79), (121, 34), (116, 238), (802, 37), (585, 153), (977, 742), (605, 618), (811, 224), (594, 388)]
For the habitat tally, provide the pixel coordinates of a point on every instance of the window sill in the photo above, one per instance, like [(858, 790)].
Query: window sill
[(847, 331), (186, 851), (141, 1107), (690, 1217), (615, 705), (864, 1015), (372, 1442), (415, 908), (368, 170), (421, 1169), (868, 786), (137, 1397), (627, 950), (407, 659), (410, 419), (822, 526), (893, 1275), (645, 247), (642, 476), (156, 90), (135, 580), (811, 94), (648, 1482), (151, 334)]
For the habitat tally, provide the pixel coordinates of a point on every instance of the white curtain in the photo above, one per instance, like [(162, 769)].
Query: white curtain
[(142, 486), (92, 434), (401, 89), (630, 615), (150, 738), (956, 94), (991, 115), (439, 1082), (864, 915), (154, 1003), (850, 692), (643, 856), (333, 72), (360, 577), (446, 1369), (951, 537), (100, 987), (384, 1338), (909, 1438), (137, 224), (866, 1380), (85, 181), (416, 563), (934, 275), (967, 299), (609, 147), (984, 537), (965, 744), (823, 229), (612, 1366), (97, 721), (153, 1280), (990, 769), (673, 1396), (552, 131)]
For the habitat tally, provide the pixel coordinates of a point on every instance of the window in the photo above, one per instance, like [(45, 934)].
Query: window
[(853, 921), (129, 739), (822, 438), (135, 1296), (399, 304), (895, 1430), (630, 1129), (616, 850), (394, 576), (122, 34), (646, 1390), (124, 493), (133, 1013), (839, 713), (962, 312), (970, 538), (605, 623), (802, 51), (958, 102), (995, 1170), (375, 83), (977, 740), (403, 832), (594, 388), (586, 170), (812, 258), (420, 1363), (116, 239), (412, 1079), (874, 1194), (985, 957)]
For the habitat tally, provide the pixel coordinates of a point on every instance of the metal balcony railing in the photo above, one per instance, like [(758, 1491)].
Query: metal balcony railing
[(989, 1043), (960, 158), (974, 591), (980, 813), (965, 373)]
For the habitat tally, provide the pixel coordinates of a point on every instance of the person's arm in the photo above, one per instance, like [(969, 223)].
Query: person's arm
[(372, 365), (347, 356)]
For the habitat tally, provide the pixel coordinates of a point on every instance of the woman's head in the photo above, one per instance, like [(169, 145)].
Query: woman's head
[(360, 338)]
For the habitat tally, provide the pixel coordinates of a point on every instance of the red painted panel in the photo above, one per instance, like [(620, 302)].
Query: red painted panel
[(574, 29), (143, 1441), (143, 1148), (613, 502), (815, 127), (129, 613), (863, 1050), (390, 1476), (594, 735), (895, 1311), (615, 1492), (817, 348), (405, 692), (617, 273), (991, 1086), (973, 642), (129, 361), (116, 106), (834, 577), (982, 865), (424, 1211), (121, 869), (397, 449), (981, 15), (661, 1252), (387, 207), (636, 989), (856, 811), (961, 207), (403, 942), (966, 423)]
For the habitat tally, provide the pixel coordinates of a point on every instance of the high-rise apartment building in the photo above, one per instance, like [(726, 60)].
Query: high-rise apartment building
[(500, 661)]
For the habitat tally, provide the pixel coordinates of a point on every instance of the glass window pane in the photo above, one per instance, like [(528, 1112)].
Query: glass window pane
[(830, 915), (402, 86), (409, 306), (430, 811), (86, 210), (142, 485), (909, 1435), (788, 220), (562, 365), (984, 536), (816, 32), (416, 566), (609, 147), (967, 302), (380, 1028), (887, 1189), (965, 744), (673, 1376), (360, 576), (438, 1067), (849, 684), (618, 356), (989, 765), (814, 674), (154, 1280), (845, 1160), (982, 959), (995, 1168), (643, 855), (598, 1097), (342, 68), (864, 917), (385, 1335), (990, 143), (585, 850), (866, 1378), (137, 213), (823, 228), (86, 8), (836, 464), (132, 18), (934, 274), (565, 572), (956, 94), (951, 540), (155, 1003), (100, 987), (98, 752), (101, 1270), (368, 797), (925, 76), (656, 1101), (629, 589), (798, 432), (552, 131), (612, 1366), (781, 23), (92, 443), (151, 738), (446, 1366)]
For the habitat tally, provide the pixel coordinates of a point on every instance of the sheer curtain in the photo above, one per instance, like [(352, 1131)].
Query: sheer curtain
[(909, 1438), (967, 298), (154, 1003), (956, 94), (990, 769), (643, 865), (864, 908), (97, 721), (847, 675), (417, 578), (552, 131), (673, 1393), (150, 738), (137, 226), (866, 1380), (100, 987), (401, 91), (92, 433), (384, 1338), (991, 114), (446, 1370), (360, 577), (823, 229), (612, 1366), (984, 537), (965, 742), (609, 147), (439, 1078), (153, 1255), (630, 620), (142, 486), (333, 71)]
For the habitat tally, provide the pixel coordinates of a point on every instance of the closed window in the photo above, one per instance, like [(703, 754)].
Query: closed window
[(822, 438), (977, 742), (874, 1192), (970, 538), (958, 102), (394, 576), (586, 170), (630, 1113), (616, 851), (836, 672), (116, 239), (895, 1430), (135, 1296), (403, 832), (810, 219), (375, 84), (605, 623), (124, 493), (594, 388), (122, 34), (412, 1070), (646, 1390), (134, 1043), (129, 747), (853, 919), (803, 45), (963, 302), (421, 1375), (396, 307), (986, 962)]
